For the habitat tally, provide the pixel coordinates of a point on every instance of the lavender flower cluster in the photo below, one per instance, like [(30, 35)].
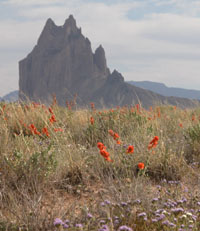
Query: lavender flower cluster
[(182, 214)]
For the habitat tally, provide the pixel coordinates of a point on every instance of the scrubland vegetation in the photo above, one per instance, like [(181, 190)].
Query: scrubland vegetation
[(124, 168)]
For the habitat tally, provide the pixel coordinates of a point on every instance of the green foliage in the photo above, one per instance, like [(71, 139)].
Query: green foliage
[(193, 133), (21, 169)]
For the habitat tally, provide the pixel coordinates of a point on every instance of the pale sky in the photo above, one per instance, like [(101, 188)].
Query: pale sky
[(155, 40)]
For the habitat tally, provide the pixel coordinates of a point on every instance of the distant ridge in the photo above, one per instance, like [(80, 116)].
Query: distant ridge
[(10, 97), (63, 64), (162, 89)]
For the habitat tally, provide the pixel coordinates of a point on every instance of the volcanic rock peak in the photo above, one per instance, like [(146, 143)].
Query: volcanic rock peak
[(100, 59), (70, 21), (62, 63)]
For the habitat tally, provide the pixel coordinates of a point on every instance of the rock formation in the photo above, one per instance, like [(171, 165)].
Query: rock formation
[(62, 63)]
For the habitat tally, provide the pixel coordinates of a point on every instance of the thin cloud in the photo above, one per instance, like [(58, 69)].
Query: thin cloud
[(30, 2)]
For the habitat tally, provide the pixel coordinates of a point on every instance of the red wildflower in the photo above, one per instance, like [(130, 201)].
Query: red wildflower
[(115, 136), (138, 108), (104, 153), (58, 129), (108, 159), (45, 131), (54, 100), (4, 106), (91, 120), (110, 131), (35, 104), (118, 142), (50, 110), (153, 143), (52, 119), (92, 105), (100, 145), (34, 129), (130, 149), (141, 165), (181, 125), (132, 109)]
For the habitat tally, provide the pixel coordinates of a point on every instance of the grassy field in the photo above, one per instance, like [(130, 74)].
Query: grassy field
[(125, 168)]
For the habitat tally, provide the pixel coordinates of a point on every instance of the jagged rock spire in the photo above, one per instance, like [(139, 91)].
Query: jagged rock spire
[(100, 59), (70, 21), (62, 63)]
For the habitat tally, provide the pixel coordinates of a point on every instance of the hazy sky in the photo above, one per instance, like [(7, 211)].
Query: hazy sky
[(156, 40)]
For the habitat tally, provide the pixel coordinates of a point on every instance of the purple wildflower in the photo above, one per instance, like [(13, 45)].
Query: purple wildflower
[(102, 222), (159, 210), (194, 217), (65, 226), (172, 224), (138, 201), (57, 222), (177, 210), (123, 204), (104, 228), (166, 222), (155, 199), (124, 228), (79, 226), (160, 217), (142, 214), (154, 220), (102, 204), (89, 215), (158, 187), (107, 202), (116, 222)]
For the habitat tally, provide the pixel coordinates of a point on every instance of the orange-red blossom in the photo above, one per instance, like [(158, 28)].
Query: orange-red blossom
[(52, 119), (181, 125), (91, 120), (92, 105), (153, 143), (45, 131), (58, 129), (130, 149), (141, 165), (34, 129), (50, 110), (103, 151), (114, 135)]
